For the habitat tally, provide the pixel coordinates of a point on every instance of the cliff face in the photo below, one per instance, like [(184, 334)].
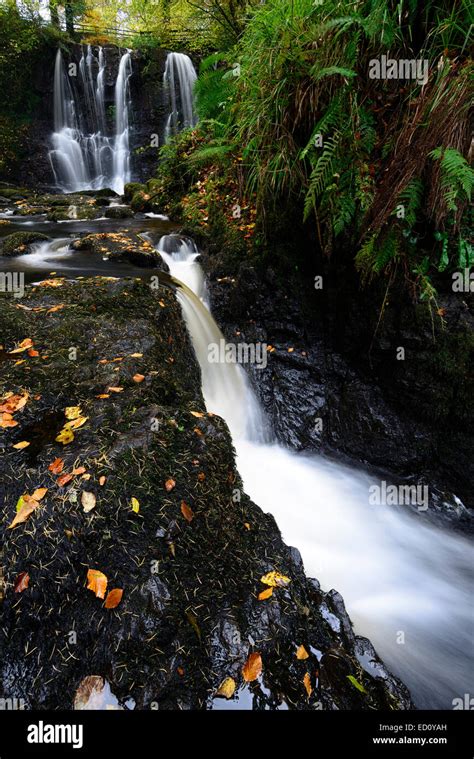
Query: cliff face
[(148, 117)]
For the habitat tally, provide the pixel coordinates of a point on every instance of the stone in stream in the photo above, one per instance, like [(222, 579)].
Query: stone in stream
[(189, 616), (122, 246), (20, 243)]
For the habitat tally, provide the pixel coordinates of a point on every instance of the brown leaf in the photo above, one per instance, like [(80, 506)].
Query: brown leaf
[(115, 389), (169, 485), (97, 582), (21, 582), (39, 494), (252, 667), (201, 476), (197, 414), (138, 377), (57, 466), (29, 505), (307, 684), (64, 479), (187, 512), (79, 470), (102, 480), (113, 598), (89, 693)]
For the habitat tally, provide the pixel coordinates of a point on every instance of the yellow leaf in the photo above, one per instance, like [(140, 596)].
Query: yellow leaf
[(275, 580), (265, 594), (135, 504), (65, 436), (226, 688), (39, 494), (20, 446), (72, 412), (307, 684), (197, 413), (302, 653), (136, 355), (74, 424)]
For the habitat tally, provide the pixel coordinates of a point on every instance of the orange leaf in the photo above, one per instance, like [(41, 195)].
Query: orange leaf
[(113, 598), (102, 480), (21, 582), (252, 667), (20, 446), (197, 414), (265, 594), (57, 466), (39, 494), (103, 395), (23, 346), (97, 582), (64, 479), (79, 470), (169, 485), (302, 653), (138, 377), (33, 353), (187, 512), (307, 684)]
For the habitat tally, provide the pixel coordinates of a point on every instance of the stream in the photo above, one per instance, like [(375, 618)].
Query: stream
[(406, 585)]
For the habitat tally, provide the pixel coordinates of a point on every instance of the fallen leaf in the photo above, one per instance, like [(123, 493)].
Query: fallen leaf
[(103, 395), (307, 684), (27, 508), (64, 479), (265, 594), (7, 422), (135, 504), (53, 309), (79, 470), (113, 598), (187, 512), (201, 476), (72, 412), (65, 436), (32, 353), (115, 389), (275, 580), (102, 480), (20, 446), (57, 466), (88, 501), (136, 355), (198, 414), (180, 671), (226, 688), (21, 582), (169, 485), (23, 346), (252, 667), (302, 653), (74, 424), (39, 494), (89, 694), (356, 683), (138, 377), (97, 582), (12, 403)]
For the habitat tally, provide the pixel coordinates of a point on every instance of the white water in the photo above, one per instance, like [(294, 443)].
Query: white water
[(178, 80), (400, 578), (83, 156)]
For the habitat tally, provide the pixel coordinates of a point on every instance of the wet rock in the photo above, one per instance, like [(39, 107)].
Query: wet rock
[(118, 212), (122, 246), (20, 243)]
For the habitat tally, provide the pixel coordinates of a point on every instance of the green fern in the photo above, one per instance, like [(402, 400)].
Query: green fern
[(457, 177), (411, 198)]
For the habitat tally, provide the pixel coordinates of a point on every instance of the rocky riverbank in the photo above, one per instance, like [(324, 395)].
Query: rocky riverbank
[(104, 428)]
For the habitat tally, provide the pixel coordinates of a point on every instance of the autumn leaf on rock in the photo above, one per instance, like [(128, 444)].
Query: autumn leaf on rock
[(169, 485), (138, 378), (57, 466), (20, 446), (275, 580), (307, 684), (97, 582), (115, 389), (227, 688), (74, 424), (64, 479), (65, 436), (21, 582), (27, 507), (39, 494), (113, 598), (88, 501), (102, 480), (302, 653), (197, 414), (252, 667), (265, 594), (72, 412), (23, 346), (187, 512), (135, 504), (79, 470), (136, 355)]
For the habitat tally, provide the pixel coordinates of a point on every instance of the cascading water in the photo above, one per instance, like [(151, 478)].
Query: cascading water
[(180, 253), (407, 585), (83, 156), (178, 80)]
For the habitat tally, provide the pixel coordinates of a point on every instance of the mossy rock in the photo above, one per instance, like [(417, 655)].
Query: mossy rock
[(131, 188), (14, 193), (118, 212), (20, 243), (78, 213), (121, 246), (141, 202)]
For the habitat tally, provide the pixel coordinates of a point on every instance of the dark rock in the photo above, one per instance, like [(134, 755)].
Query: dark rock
[(20, 243), (118, 212)]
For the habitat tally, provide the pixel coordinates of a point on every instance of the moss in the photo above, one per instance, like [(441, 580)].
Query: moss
[(131, 188), (19, 243)]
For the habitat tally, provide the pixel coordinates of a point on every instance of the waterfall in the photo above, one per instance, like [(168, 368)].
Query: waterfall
[(406, 583), (83, 156), (178, 80)]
